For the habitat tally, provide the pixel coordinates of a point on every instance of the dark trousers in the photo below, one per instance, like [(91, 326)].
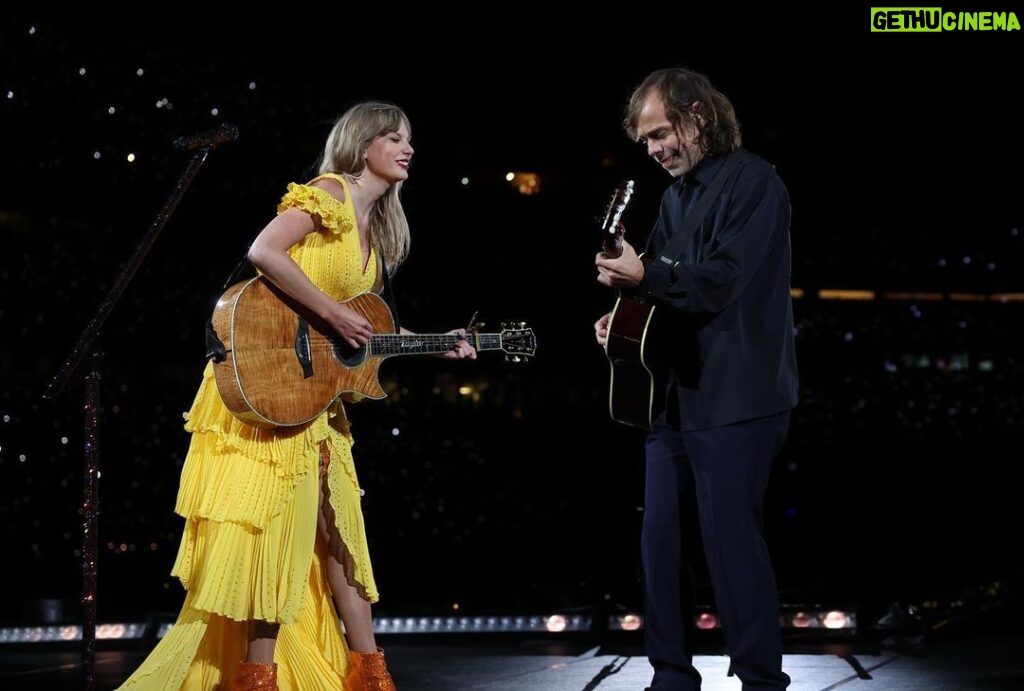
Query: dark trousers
[(727, 469)]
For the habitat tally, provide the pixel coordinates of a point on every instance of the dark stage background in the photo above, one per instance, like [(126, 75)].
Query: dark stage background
[(902, 154)]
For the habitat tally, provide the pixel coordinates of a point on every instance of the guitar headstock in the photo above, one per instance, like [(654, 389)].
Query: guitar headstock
[(518, 342), (611, 228)]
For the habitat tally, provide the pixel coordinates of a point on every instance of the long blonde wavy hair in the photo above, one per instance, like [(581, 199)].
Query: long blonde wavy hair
[(343, 154)]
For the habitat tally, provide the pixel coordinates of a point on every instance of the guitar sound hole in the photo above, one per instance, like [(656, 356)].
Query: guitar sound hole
[(349, 356)]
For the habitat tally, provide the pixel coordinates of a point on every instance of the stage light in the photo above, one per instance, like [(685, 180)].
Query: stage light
[(796, 618), (802, 620), (835, 620), (555, 623)]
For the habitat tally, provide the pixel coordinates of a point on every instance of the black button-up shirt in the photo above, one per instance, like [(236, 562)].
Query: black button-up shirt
[(729, 286)]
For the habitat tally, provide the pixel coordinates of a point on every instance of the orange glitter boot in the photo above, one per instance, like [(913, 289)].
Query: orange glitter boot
[(256, 676), (367, 672)]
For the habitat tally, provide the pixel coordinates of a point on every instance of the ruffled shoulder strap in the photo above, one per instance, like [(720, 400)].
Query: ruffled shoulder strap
[(328, 212)]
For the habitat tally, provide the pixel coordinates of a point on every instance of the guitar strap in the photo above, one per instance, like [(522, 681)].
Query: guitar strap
[(388, 294), (673, 249), (215, 348)]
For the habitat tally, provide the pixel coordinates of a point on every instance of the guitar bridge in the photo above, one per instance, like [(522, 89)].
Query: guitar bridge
[(302, 350)]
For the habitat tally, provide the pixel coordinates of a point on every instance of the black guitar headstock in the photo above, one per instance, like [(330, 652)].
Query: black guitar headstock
[(611, 227)]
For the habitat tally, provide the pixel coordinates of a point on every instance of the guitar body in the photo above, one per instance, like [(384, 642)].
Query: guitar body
[(282, 369), (638, 372)]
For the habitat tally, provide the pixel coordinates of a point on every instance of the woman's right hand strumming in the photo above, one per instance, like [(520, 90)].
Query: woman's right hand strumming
[(269, 254), (354, 327)]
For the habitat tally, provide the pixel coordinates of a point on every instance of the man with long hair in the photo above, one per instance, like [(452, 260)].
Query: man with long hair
[(717, 266)]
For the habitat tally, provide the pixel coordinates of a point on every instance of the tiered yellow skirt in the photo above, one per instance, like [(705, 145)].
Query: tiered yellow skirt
[(251, 550)]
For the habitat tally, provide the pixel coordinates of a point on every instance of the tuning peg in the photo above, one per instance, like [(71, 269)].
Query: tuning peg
[(522, 325)]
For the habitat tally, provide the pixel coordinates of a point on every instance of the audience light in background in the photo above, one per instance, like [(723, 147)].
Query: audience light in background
[(927, 297), (840, 294), (524, 183)]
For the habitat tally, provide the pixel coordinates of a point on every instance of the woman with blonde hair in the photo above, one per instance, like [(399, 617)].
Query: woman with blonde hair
[(274, 549)]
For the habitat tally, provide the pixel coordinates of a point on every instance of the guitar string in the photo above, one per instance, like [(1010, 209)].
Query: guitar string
[(391, 342)]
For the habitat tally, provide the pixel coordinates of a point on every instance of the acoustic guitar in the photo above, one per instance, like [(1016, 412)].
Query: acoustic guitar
[(638, 373), (281, 366)]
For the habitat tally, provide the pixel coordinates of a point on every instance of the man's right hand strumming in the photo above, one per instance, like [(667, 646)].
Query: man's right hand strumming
[(601, 329)]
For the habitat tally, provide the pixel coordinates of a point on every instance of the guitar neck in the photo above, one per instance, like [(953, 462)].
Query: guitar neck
[(611, 227), (388, 345), (612, 245)]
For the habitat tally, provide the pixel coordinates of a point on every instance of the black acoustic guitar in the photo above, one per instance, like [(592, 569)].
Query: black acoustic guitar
[(638, 373)]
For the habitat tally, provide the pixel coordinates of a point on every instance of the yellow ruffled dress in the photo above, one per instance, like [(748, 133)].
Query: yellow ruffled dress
[(250, 496)]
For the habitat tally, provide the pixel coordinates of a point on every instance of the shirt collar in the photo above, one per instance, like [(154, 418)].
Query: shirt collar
[(704, 172), (701, 175)]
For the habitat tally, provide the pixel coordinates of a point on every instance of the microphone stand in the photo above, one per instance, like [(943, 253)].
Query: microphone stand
[(86, 346)]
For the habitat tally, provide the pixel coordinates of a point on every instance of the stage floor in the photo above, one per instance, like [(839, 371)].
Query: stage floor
[(982, 661)]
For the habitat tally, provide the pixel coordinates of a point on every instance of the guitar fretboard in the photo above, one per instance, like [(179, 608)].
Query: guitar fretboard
[(408, 344)]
